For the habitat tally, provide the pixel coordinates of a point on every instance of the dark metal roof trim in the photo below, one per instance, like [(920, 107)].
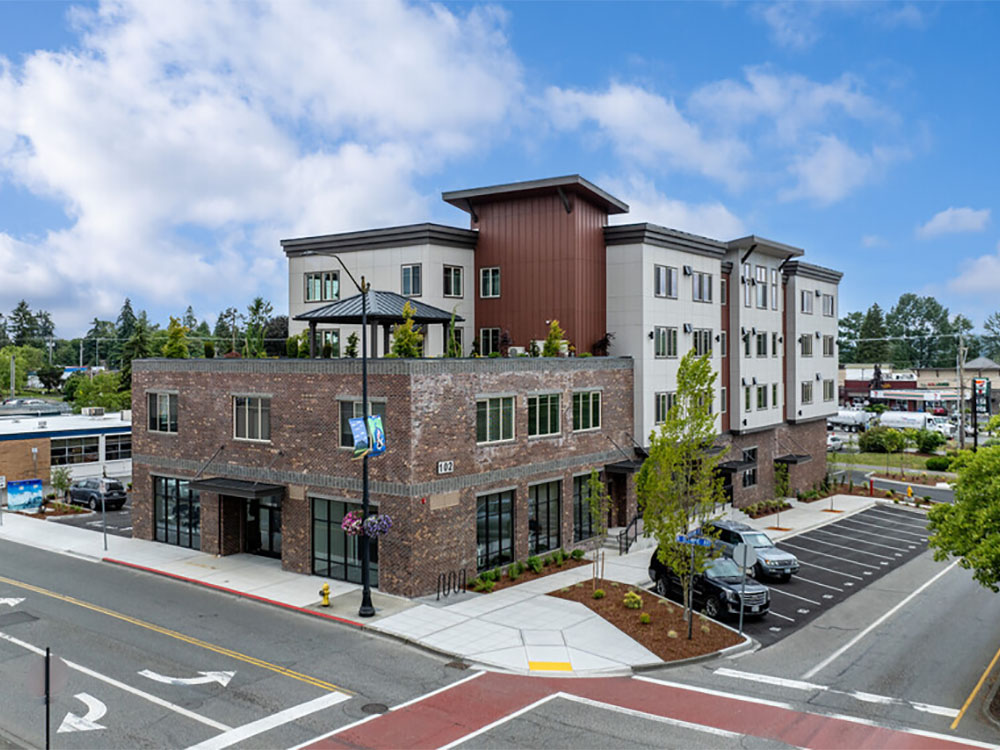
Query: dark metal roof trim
[(463, 198), (372, 239), (382, 306), (624, 467), (793, 458), (809, 271), (236, 487), (735, 465), (653, 234), (771, 247), (727, 266)]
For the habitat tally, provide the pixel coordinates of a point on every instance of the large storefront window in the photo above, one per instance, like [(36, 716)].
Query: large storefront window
[(176, 513), (335, 554), (495, 529), (543, 516), (583, 522), (117, 447), (65, 451)]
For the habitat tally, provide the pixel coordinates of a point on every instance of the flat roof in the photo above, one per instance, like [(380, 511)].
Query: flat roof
[(573, 183), (59, 425), (373, 239)]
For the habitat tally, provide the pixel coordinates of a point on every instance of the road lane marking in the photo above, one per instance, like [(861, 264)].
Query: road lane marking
[(859, 541), (922, 537), (266, 724), (127, 688), (851, 643), (11, 602), (329, 686), (910, 543), (968, 701), (222, 678), (500, 721), (817, 583), (824, 554), (794, 596), (856, 694), (88, 723), (652, 717)]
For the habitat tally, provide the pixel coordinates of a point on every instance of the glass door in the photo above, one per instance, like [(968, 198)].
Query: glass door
[(262, 527)]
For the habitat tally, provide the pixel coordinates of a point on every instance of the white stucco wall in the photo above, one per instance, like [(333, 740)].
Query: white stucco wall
[(807, 368)]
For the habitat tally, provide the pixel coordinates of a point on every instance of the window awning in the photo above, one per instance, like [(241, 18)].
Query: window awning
[(624, 467), (236, 487), (736, 465), (793, 458)]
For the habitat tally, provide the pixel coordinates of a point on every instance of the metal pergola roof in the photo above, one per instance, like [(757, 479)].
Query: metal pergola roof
[(236, 487), (383, 307)]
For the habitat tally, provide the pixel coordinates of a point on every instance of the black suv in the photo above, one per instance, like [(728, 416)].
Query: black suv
[(716, 591), (90, 492)]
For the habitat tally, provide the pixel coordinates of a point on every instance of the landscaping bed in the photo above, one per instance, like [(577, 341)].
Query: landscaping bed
[(666, 632), (860, 490), (766, 508), (922, 478), (51, 509), (519, 572)]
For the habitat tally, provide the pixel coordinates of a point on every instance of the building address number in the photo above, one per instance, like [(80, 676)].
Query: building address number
[(446, 467)]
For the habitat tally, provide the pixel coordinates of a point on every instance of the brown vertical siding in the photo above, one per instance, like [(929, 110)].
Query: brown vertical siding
[(724, 367), (552, 266)]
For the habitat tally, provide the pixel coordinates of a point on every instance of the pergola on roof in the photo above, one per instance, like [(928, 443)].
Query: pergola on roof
[(383, 307)]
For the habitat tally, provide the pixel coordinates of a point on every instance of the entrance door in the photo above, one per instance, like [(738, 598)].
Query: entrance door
[(262, 527)]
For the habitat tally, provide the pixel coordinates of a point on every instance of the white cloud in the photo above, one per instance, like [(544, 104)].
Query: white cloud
[(979, 275), (829, 172), (792, 24), (647, 204), (872, 240), (236, 122), (953, 220)]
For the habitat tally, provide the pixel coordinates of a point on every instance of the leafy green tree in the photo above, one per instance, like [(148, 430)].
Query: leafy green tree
[(61, 480), (678, 486), (102, 390), (176, 346), (72, 385), (947, 352), (258, 313), (919, 323), (553, 341), (969, 527), (26, 359), (51, 377), (406, 340), (138, 346), (873, 327), (848, 334), (453, 349), (599, 506), (352, 346)]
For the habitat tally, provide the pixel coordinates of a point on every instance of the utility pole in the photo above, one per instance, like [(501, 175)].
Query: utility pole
[(961, 391), (12, 374), (81, 352)]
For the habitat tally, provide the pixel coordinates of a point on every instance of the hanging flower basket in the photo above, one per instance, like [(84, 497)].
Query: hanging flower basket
[(352, 523), (374, 526)]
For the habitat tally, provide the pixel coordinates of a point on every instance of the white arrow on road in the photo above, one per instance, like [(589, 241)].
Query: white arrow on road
[(222, 678), (95, 710), (11, 602)]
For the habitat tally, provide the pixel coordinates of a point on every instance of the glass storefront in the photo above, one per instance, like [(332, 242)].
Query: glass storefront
[(495, 529), (335, 554), (543, 517), (176, 513), (262, 526), (583, 522)]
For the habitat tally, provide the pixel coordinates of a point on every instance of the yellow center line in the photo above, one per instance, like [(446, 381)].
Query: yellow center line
[(975, 690), (322, 684)]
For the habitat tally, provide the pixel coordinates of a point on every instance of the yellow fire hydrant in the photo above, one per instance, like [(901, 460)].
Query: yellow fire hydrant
[(909, 491), (325, 594)]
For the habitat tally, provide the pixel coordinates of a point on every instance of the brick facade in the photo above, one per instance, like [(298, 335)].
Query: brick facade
[(18, 463)]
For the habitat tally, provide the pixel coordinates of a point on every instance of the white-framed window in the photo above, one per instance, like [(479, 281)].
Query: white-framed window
[(411, 284), (543, 415), (806, 345), (495, 419), (322, 286), (746, 344), (723, 400), (774, 344), (665, 281), (807, 301), (329, 336), (828, 305), (702, 341), (161, 412), (701, 286), (828, 346), (453, 281), (723, 292), (774, 288), (774, 395), (458, 341), (762, 344), (252, 418), (747, 399), (807, 392), (489, 282), (349, 409), (747, 285), (761, 397), (586, 410), (762, 287), (750, 474), (489, 341), (664, 403), (828, 390), (723, 343), (665, 341)]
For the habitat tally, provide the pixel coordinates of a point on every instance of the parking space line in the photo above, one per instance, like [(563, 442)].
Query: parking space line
[(899, 517), (859, 541), (824, 554), (794, 596), (817, 583), (783, 617), (923, 537), (852, 549), (911, 543), (831, 570)]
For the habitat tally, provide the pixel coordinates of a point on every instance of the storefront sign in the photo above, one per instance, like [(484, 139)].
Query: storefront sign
[(25, 495), (981, 394)]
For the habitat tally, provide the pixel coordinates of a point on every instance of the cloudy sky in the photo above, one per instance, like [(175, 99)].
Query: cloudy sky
[(161, 150)]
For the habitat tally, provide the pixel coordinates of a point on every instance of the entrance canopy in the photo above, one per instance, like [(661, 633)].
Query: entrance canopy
[(793, 458), (236, 487)]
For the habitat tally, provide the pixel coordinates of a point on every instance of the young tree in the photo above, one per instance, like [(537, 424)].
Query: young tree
[(176, 346), (61, 480), (678, 486), (258, 313), (352, 346), (599, 505), (553, 341), (969, 528), (406, 341), (453, 349)]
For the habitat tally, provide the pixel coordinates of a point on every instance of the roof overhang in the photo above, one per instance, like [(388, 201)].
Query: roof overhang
[(654, 234), (236, 487), (793, 458), (466, 200), (810, 271), (735, 465), (624, 467), (766, 246), (374, 239)]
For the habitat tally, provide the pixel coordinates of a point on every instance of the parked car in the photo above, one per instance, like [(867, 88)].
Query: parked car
[(91, 492), (771, 561), (716, 591), (834, 442)]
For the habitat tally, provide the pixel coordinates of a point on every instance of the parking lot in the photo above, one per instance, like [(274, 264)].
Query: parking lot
[(119, 521), (837, 560)]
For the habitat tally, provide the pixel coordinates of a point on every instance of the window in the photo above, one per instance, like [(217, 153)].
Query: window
[(665, 281), (762, 287), (251, 418), (410, 284), (162, 412), (176, 513), (747, 286), (334, 553), (587, 410), (806, 345), (723, 292), (774, 344), (494, 529), (774, 288), (322, 286), (351, 409), (544, 517), (746, 399), (331, 337), (750, 474), (660, 341), (452, 281), (117, 447), (723, 401), (495, 419), (807, 301), (702, 341), (458, 341), (828, 305), (774, 395), (489, 341), (543, 415), (828, 390), (583, 522), (701, 287), (724, 343), (828, 346), (82, 450), (746, 344), (761, 397), (489, 282), (807, 392), (761, 344), (664, 403)]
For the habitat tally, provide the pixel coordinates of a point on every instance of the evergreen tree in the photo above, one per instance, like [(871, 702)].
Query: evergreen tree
[(991, 338), (553, 341), (4, 339), (138, 346), (176, 346), (872, 327), (22, 325), (258, 313), (848, 335), (227, 329), (406, 341), (352, 346), (124, 328), (98, 342), (275, 333), (189, 321)]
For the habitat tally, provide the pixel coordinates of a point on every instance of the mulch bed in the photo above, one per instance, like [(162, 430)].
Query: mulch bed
[(921, 479), (764, 513), (530, 575), (51, 510), (861, 490), (665, 616)]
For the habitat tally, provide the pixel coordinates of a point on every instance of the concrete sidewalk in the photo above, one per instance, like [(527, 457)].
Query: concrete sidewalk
[(517, 629)]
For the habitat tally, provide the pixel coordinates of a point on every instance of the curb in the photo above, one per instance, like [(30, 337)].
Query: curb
[(909, 484), (748, 644)]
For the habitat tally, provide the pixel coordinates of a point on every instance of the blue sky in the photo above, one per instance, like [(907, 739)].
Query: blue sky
[(161, 150)]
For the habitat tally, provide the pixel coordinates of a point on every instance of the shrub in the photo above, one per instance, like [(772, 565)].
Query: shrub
[(632, 600), (927, 499), (577, 554), (705, 628), (928, 441), (209, 350), (560, 557), (881, 440), (961, 458), (938, 463), (889, 494), (548, 560), (518, 567), (671, 634), (495, 574), (850, 486), (535, 563), (292, 346), (645, 619), (599, 594), (494, 355), (512, 573), (327, 350), (488, 586)]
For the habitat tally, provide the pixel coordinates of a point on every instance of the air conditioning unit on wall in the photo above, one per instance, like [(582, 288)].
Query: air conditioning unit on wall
[(515, 351)]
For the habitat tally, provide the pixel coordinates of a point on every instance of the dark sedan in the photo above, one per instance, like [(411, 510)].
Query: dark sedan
[(92, 492), (716, 590)]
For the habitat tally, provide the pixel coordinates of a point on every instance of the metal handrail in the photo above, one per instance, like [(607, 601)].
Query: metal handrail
[(631, 530)]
